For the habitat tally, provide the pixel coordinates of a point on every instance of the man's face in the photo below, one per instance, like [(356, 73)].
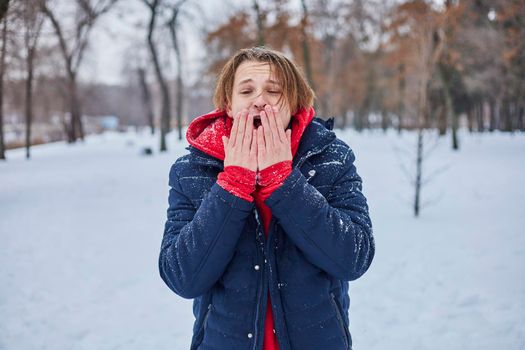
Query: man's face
[(253, 88)]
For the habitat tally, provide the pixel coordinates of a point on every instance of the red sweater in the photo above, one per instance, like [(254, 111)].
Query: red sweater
[(205, 133)]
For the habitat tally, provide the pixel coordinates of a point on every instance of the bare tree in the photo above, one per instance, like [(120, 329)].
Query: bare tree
[(446, 69), (305, 45), (173, 25), (3, 11), (4, 6), (260, 23), (73, 50), (430, 48), (404, 154), (154, 7), (32, 20), (146, 97), (422, 46)]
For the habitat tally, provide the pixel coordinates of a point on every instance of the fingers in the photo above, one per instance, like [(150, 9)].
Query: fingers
[(276, 137), (289, 135), (268, 138), (253, 146), (280, 125), (233, 131), (241, 127), (248, 133), (261, 147)]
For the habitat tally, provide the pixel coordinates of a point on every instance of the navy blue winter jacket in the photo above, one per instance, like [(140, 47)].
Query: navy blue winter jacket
[(320, 237)]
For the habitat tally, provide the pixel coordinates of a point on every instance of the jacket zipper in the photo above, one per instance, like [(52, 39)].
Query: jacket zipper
[(273, 246), (339, 318), (261, 284)]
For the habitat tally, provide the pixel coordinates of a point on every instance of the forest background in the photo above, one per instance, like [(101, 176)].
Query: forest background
[(73, 68)]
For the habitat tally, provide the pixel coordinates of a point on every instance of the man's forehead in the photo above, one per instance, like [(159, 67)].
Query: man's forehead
[(248, 70)]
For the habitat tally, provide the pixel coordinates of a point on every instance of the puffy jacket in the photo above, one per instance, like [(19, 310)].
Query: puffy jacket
[(320, 237)]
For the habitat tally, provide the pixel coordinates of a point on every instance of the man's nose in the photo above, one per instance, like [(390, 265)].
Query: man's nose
[(259, 102)]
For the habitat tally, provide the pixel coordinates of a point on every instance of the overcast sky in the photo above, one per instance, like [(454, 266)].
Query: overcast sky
[(116, 33)]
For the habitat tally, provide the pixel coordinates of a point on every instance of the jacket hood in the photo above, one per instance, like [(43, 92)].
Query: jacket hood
[(205, 132)]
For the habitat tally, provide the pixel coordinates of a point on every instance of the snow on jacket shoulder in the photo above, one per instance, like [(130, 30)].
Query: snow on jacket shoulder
[(320, 237)]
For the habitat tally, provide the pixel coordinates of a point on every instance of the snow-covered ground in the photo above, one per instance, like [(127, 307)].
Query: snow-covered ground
[(81, 226)]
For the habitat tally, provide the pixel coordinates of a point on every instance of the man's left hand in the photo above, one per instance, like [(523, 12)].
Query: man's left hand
[(273, 142)]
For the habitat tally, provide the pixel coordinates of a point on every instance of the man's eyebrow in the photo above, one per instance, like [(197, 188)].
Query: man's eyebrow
[(249, 80), (246, 81)]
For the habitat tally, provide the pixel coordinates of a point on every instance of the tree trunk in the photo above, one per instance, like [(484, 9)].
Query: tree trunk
[(455, 127), (384, 120), (358, 120), (259, 20), (401, 102), (179, 97), (2, 70), (521, 116), (29, 100), (419, 170), (513, 115), (479, 115), (75, 129), (306, 46), (441, 112), (450, 113), (470, 117), (4, 6), (77, 113), (492, 116), (165, 108), (506, 118), (146, 99)]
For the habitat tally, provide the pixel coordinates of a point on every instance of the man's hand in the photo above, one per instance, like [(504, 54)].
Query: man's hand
[(273, 143), (240, 148)]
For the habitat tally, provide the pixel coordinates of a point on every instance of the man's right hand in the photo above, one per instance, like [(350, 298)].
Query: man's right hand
[(240, 148)]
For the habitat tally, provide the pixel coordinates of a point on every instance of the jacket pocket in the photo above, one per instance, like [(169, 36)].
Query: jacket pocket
[(340, 320), (206, 317), (200, 334)]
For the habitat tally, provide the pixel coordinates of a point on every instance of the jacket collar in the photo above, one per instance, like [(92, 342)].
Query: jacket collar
[(317, 136)]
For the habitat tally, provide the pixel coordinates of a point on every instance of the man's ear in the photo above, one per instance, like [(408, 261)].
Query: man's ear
[(228, 110)]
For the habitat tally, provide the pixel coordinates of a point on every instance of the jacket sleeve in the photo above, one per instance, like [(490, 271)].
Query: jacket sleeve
[(198, 243), (334, 233)]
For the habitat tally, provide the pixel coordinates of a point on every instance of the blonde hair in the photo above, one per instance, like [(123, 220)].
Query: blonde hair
[(296, 90)]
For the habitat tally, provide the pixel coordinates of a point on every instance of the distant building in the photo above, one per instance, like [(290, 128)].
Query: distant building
[(98, 124)]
